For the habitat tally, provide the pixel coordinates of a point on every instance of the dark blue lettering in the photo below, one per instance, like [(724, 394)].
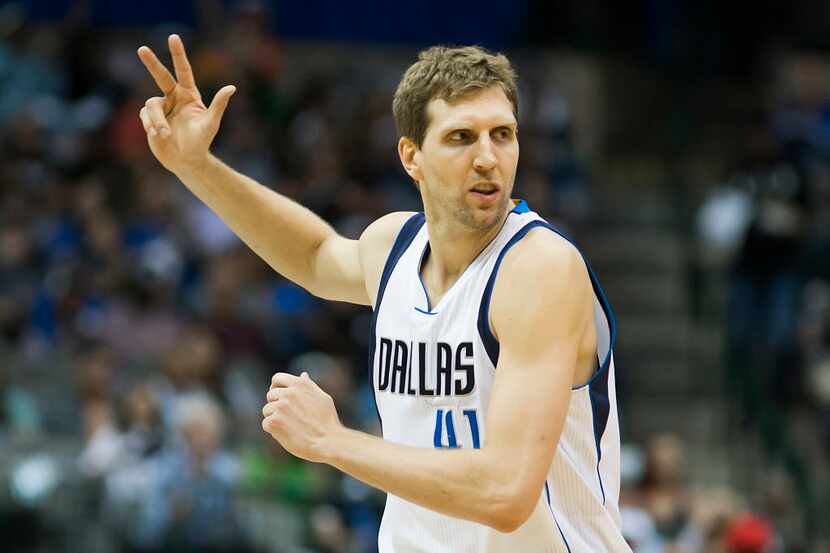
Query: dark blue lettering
[(399, 367), (463, 363), (384, 362), (443, 370)]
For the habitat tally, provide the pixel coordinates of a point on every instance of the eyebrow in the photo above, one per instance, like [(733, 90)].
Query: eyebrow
[(462, 126)]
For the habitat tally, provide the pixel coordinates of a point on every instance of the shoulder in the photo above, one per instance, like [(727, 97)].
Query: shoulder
[(544, 270), (375, 244), (544, 256), (383, 231)]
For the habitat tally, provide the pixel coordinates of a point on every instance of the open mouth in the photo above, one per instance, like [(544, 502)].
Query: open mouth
[(485, 189), (485, 196)]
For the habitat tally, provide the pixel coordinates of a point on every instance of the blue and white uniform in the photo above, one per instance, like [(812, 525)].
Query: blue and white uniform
[(432, 370)]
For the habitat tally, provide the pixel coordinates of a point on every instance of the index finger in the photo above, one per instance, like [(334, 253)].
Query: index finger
[(283, 380), (180, 62), (160, 74)]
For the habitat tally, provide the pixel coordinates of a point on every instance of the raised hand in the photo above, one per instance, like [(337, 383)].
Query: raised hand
[(180, 128)]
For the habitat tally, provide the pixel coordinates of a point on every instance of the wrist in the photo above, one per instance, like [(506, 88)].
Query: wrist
[(196, 168), (332, 445)]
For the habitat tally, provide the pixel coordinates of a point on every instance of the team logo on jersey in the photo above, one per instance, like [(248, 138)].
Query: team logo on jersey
[(410, 368)]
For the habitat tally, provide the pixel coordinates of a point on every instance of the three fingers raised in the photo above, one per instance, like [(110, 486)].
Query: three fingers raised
[(154, 114)]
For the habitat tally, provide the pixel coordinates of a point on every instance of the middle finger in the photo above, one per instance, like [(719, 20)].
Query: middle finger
[(181, 64)]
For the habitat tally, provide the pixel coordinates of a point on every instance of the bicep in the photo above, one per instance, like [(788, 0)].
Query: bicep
[(349, 270), (338, 273), (527, 411), (538, 354)]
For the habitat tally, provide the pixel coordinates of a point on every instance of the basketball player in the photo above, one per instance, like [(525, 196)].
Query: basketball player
[(491, 348)]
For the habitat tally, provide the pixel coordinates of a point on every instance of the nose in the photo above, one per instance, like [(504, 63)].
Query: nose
[(485, 159)]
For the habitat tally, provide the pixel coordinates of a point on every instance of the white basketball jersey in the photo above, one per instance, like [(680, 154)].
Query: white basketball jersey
[(433, 367)]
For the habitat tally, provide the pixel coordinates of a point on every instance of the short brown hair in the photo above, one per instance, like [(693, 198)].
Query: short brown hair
[(448, 73)]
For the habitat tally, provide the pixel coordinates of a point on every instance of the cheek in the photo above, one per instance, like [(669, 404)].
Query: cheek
[(510, 157), (444, 170)]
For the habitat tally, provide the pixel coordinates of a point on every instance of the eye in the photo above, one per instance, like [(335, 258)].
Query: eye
[(459, 136), (503, 133)]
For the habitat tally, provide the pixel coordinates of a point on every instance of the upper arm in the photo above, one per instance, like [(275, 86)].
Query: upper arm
[(541, 309), (349, 270), (375, 244)]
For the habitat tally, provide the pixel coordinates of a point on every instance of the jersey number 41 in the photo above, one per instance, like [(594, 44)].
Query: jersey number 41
[(445, 420)]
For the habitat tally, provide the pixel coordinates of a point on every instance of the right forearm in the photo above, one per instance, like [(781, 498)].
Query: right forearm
[(282, 232)]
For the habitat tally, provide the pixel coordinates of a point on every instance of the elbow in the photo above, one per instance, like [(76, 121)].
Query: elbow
[(510, 514)]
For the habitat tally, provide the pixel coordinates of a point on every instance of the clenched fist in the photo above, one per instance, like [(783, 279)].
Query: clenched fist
[(300, 416)]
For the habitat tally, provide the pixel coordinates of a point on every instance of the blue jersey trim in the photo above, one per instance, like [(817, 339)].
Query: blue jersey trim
[(421, 280), (550, 508), (405, 237), (419, 310), (521, 207), (600, 409), (598, 383), (491, 345)]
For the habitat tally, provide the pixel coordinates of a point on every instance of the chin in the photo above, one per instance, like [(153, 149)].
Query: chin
[(483, 219)]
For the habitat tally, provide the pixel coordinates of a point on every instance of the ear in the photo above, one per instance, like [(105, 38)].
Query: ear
[(408, 152)]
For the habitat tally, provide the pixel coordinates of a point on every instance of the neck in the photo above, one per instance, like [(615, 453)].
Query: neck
[(453, 248)]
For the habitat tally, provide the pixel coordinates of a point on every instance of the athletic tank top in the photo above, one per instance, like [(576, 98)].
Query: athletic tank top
[(432, 370)]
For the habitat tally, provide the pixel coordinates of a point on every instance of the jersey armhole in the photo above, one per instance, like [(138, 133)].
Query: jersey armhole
[(491, 344), (405, 237)]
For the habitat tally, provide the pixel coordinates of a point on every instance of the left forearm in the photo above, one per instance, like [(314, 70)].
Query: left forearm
[(464, 483)]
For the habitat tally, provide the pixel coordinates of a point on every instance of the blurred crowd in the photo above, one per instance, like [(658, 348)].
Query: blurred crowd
[(138, 334), (767, 227)]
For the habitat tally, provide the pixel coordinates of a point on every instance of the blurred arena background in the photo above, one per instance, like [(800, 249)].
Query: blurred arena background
[(685, 145)]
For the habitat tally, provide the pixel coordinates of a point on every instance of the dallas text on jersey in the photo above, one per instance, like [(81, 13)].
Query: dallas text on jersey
[(453, 368)]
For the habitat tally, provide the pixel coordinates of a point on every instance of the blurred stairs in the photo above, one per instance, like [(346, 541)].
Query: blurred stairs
[(669, 376)]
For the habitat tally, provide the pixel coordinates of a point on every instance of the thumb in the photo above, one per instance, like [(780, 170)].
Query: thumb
[(220, 102)]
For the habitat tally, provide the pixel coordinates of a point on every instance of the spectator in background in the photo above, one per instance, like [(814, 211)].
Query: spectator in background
[(189, 506), (765, 283), (103, 447), (191, 366), (143, 432), (664, 488)]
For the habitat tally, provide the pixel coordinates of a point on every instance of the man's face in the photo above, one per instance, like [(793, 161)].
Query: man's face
[(467, 163)]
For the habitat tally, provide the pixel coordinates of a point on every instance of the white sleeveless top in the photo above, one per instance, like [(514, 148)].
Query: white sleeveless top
[(432, 369)]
